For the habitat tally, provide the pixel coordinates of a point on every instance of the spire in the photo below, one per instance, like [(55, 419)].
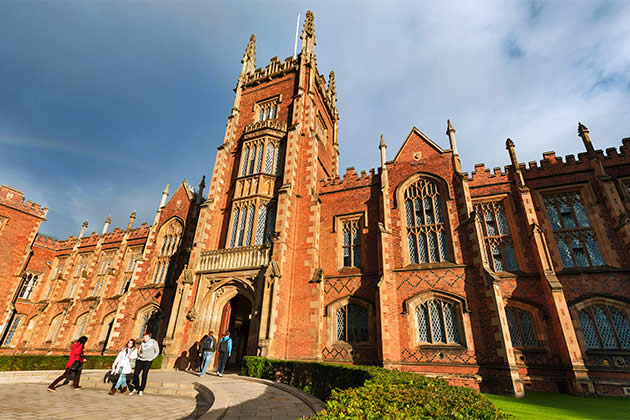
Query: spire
[(308, 35), (249, 58), (83, 227), (583, 133), (202, 185), (332, 88), (106, 226), (132, 217), (450, 132), (382, 146), (509, 145), (164, 196)]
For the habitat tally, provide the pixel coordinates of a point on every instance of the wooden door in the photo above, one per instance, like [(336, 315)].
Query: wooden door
[(223, 327)]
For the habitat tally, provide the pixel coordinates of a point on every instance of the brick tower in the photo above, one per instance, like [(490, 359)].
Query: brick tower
[(254, 260)]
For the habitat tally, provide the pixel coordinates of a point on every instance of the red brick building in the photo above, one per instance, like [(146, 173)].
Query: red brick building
[(503, 280)]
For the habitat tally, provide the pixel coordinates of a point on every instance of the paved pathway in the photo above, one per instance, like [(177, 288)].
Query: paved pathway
[(169, 395)]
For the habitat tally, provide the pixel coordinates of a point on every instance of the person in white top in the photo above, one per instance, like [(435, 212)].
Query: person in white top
[(123, 364)]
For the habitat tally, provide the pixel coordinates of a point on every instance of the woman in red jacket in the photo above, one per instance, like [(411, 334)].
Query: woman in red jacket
[(74, 365)]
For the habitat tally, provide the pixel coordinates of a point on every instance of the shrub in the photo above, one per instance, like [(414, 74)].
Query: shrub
[(369, 392), (42, 362)]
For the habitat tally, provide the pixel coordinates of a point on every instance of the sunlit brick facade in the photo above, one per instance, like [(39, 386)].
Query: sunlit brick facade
[(503, 280)]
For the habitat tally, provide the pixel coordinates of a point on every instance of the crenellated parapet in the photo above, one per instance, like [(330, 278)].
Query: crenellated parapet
[(351, 179), (14, 199), (275, 69)]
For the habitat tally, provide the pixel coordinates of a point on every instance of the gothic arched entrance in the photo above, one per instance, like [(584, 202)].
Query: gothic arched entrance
[(236, 318)]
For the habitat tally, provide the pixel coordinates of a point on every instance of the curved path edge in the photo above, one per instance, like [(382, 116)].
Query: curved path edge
[(313, 402)]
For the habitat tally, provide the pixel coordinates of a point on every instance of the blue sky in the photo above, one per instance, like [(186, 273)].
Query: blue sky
[(103, 103)]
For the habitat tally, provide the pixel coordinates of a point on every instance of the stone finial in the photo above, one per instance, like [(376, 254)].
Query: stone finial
[(132, 217), (450, 132), (449, 127), (586, 139), (109, 219), (509, 143), (106, 225), (250, 51), (309, 27), (164, 196), (85, 224), (582, 129), (202, 185), (332, 88), (83, 227)]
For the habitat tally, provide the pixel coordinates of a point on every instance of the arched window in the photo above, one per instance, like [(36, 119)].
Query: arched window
[(496, 234), (521, 326), (170, 237), (29, 281), (426, 231), (79, 327), (17, 320), (55, 326), (605, 327), (437, 322), (150, 322), (352, 323)]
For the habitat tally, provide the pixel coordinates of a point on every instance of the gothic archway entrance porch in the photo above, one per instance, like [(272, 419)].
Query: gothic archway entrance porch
[(236, 317)]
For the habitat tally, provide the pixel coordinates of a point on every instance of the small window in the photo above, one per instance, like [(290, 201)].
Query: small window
[(352, 323), (124, 288), (572, 230), (12, 330), (605, 327), (29, 281), (55, 325), (437, 322), (268, 110), (351, 243), (521, 327), (497, 237)]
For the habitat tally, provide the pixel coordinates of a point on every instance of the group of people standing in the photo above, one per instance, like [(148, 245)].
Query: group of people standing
[(136, 357), (208, 346)]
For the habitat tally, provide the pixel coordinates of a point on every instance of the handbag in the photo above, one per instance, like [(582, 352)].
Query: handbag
[(76, 367)]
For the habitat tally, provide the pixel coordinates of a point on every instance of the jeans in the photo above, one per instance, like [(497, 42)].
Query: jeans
[(207, 356), (141, 366), (65, 375), (223, 356), (122, 381)]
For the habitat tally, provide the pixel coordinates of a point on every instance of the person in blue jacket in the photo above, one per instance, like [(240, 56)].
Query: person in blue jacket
[(225, 351)]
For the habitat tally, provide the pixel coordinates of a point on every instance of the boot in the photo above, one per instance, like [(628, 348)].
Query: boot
[(112, 391), (124, 389)]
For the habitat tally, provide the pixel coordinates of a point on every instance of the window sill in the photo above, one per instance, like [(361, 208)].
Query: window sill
[(349, 346), (441, 346), (430, 266), (608, 352), (597, 269)]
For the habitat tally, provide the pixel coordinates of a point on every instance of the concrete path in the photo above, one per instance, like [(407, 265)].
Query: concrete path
[(169, 395)]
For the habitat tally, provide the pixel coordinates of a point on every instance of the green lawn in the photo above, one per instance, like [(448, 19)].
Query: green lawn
[(546, 405)]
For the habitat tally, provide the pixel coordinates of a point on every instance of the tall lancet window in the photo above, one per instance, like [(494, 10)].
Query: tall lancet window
[(426, 231)]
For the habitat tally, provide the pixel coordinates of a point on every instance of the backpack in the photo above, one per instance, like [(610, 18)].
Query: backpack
[(223, 345), (208, 344)]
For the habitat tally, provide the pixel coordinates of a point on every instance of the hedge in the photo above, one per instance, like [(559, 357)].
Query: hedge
[(42, 362), (369, 392)]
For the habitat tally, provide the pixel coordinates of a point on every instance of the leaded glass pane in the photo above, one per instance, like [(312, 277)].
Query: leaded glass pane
[(341, 323), (419, 212), (515, 332), (527, 324), (409, 213), (437, 327), (452, 326), (510, 257), (604, 327), (428, 211), (433, 248), (438, 209), (252, 160), (579, 252), (271, 223), (413, 249), (423, 324), (565, 253), (357, 323), (241, 227), (12, 330), (363, 323), (250, 226), (621, 325), (422, 248), (260, 224), (580, 214), (444, 246), (593, 250), (503, 226), (567, 216), (553, 216), (356, 247), (259, 159), (245, 160), (276, 160), (234, 227), (491, 226), (269, 158)]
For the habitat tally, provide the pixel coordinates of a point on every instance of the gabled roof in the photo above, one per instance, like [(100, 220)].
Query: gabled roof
[(422, 136)]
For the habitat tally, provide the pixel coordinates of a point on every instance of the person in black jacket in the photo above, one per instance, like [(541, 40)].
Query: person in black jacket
[(208, 347)]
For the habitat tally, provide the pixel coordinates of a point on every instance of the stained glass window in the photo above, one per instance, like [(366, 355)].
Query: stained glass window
[(605, 327), (352, 323), (351, 243), (573, 232), (437, 322), (497, 237), (521, 327), (426, 230)]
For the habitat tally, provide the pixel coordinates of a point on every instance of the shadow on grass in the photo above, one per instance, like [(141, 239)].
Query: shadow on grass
[(562, 406)]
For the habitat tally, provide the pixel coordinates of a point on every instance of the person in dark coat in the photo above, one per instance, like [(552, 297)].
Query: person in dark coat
[(74, 365)]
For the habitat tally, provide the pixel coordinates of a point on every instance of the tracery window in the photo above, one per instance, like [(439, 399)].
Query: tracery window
[(55, 326), (521, 327), (79, 327), (170, 237), (426, 231), (252, 226), (81, 266), (268, 110), (352, 323), (437, 322), (150, 322), (496, 234), (260, 156), (29, 281), (58, 269), (17, 320), (572, 230), (320, 128), (351, 243), (605, 327)]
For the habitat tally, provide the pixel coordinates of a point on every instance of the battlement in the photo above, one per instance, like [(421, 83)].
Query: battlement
[(351, 179), (274, 69), (14, 198)]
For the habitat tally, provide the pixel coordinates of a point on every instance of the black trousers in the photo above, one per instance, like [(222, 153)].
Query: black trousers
[(65, 375), (142, 366)]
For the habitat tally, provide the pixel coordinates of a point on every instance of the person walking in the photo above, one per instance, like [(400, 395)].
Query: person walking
[(149, 350), (122, 366), (208, 347), (74, 365), (225, 351)]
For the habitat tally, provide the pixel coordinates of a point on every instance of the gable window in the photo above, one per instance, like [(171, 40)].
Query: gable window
[(572, 230), (29, 281), (605, 327), (12, 330), (351, 243), (437, 322), (170, 237), (496, 234), (352, 323), (521, 327), (426, 230)]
